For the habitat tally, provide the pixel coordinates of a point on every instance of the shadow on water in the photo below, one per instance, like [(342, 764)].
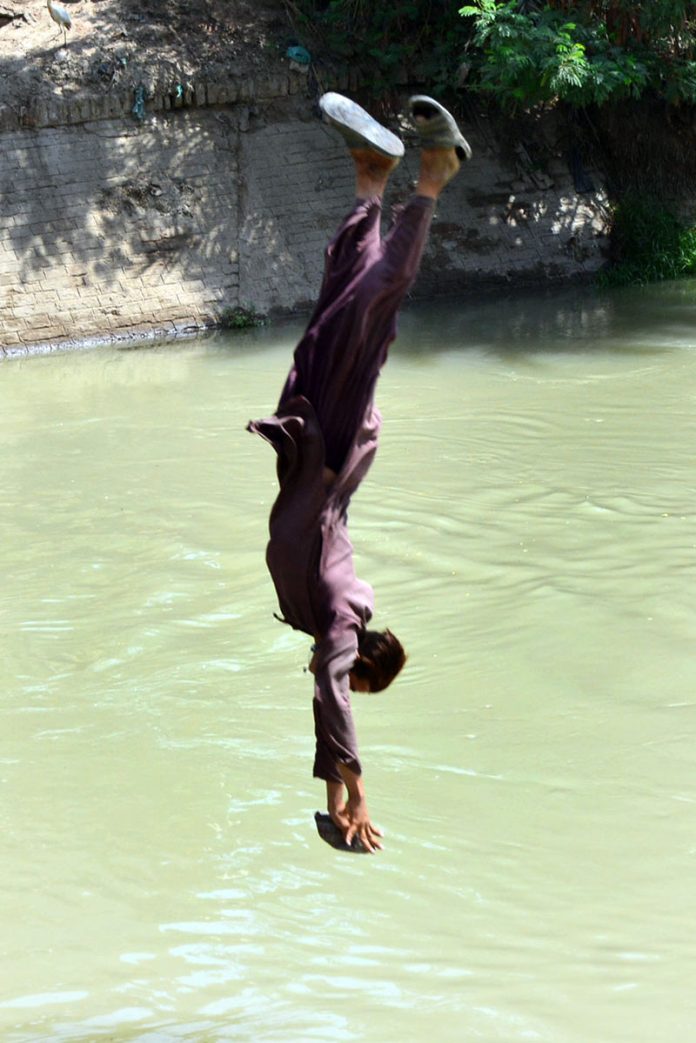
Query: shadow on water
[(554, 322), (631, 321)]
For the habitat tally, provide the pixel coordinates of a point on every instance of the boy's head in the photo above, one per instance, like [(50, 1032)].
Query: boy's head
[(380, 658)]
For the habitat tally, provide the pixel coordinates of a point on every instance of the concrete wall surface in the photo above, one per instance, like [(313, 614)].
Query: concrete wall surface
[(117, 227)]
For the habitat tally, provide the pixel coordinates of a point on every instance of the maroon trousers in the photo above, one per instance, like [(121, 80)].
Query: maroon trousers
[(366, 277)]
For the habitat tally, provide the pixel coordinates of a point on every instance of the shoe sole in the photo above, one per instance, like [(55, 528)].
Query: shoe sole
[(357, 127)]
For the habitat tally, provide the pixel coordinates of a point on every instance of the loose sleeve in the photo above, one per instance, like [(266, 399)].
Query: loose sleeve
[(333, 715)]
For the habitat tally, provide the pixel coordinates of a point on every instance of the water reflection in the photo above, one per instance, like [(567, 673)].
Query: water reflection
[(529, 529)]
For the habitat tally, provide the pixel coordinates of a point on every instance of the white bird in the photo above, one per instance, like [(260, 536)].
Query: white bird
[(61, 17)]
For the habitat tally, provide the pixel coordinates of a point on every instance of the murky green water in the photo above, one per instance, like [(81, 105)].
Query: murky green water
[(529, 528)]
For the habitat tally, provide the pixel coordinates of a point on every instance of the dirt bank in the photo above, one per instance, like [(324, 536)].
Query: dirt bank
[(118, 44)]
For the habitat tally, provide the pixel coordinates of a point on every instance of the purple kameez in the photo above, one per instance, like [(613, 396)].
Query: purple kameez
[(326, 418)]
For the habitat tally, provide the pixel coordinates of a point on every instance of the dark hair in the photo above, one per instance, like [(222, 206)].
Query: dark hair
[(380, 658)]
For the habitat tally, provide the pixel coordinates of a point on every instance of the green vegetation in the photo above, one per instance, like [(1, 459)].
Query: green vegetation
[(586, 52), (385, 38), (525, 52), (651, 242), (239, 318), (593, 55)]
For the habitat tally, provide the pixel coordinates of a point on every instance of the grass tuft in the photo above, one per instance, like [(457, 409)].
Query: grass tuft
[(650, 243)]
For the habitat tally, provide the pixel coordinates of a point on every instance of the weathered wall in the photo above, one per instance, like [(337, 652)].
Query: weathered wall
[(112, 226)]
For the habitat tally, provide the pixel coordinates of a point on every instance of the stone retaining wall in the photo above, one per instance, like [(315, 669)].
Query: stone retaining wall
[(115, 226)]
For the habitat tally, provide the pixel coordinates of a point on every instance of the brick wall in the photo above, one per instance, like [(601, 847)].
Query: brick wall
[(114, 227)]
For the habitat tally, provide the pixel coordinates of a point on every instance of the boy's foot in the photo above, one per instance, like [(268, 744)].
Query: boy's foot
[(437, 168), (372, 170), (436, 127), (358, 128)]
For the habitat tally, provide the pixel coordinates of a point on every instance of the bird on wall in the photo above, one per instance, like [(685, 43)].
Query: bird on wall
[(61, 17)]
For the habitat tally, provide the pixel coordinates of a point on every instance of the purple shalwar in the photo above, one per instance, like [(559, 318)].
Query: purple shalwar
[(326, 418)]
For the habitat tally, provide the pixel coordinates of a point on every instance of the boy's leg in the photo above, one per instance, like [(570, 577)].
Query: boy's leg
[(375, 152), (405, 242), (337, 363), (357, 246), (357, 240)]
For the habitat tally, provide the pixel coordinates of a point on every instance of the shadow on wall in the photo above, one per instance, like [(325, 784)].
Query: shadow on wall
[(505, 222), (523, 327), (120, 223), (114, 207)]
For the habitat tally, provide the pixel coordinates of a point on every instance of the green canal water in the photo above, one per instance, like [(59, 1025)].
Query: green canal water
[(529, 528)]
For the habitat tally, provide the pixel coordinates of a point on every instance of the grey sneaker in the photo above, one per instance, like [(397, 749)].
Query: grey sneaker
[(358, 128), (436, 127)]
